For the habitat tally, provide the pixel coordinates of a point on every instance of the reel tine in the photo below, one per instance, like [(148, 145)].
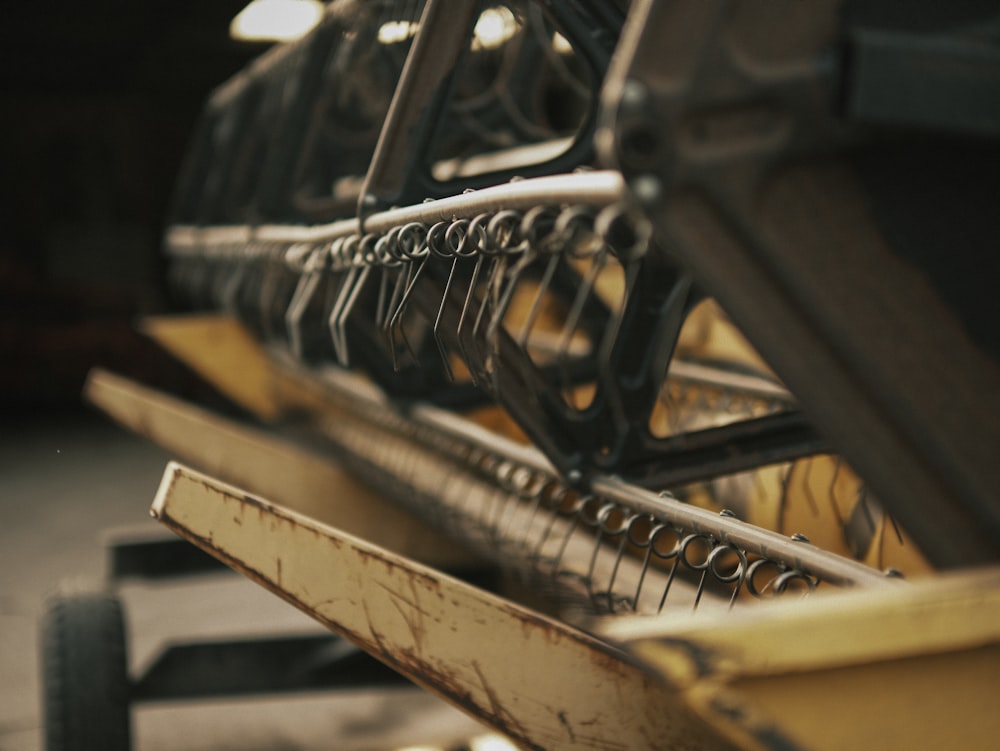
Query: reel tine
[(306, 288), (336, 330), (437, 239), (402, 278), (437, 323), (480, 250), (474, 280), (575, 315), (396, 323), (352, 301), (504, 235), (536, 304), (412, 246)]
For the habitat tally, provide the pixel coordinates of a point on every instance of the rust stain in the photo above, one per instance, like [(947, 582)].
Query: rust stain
[(404, 661), (415, 625), (561, 714), (413, 602), (410, 663), (452, 688), (430, 582), (499, 710), (376, 635)]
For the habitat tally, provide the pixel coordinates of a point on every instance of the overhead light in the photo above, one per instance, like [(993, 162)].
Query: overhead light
[(276, 20), (494, 27), (491, 742), (392, 32)]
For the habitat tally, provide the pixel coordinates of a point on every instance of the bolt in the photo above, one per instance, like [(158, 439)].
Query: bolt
[(647, 189)]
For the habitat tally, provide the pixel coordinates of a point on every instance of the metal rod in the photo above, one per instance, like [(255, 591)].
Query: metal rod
[(599, 188)]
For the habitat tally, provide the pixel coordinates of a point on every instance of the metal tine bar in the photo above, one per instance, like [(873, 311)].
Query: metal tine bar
[(595, 188), (484, 509), (667, 510)]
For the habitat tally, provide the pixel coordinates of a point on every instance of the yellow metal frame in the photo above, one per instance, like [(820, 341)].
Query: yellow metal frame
[(908, 667)]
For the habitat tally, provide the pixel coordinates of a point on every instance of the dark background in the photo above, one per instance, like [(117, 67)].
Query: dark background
[(99, 100)]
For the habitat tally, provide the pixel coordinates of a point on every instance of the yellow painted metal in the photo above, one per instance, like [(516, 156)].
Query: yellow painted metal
[(271, 466), (545, 684), (915, 667), (911, 667), (224, 353)]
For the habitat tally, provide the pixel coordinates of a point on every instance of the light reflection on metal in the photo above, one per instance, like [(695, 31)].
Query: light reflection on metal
[(392, 32), (494, 27), (276, 20)]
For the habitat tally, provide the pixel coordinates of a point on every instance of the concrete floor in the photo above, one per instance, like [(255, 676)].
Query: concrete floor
[(63, 483)]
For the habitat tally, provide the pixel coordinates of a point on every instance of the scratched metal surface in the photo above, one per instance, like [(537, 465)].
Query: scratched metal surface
[(449, 637)]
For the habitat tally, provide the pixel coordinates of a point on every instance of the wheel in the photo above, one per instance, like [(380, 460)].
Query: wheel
[(85, 685)]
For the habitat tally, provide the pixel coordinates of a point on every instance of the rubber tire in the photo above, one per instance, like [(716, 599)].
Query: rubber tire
[(85, 684)]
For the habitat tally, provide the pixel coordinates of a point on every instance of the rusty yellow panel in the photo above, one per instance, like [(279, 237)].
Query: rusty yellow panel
[(914, 666), (935, 701), (537, 680), (264, 463)]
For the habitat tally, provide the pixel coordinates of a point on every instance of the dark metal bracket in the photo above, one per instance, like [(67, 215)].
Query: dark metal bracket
[(730, 146)]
